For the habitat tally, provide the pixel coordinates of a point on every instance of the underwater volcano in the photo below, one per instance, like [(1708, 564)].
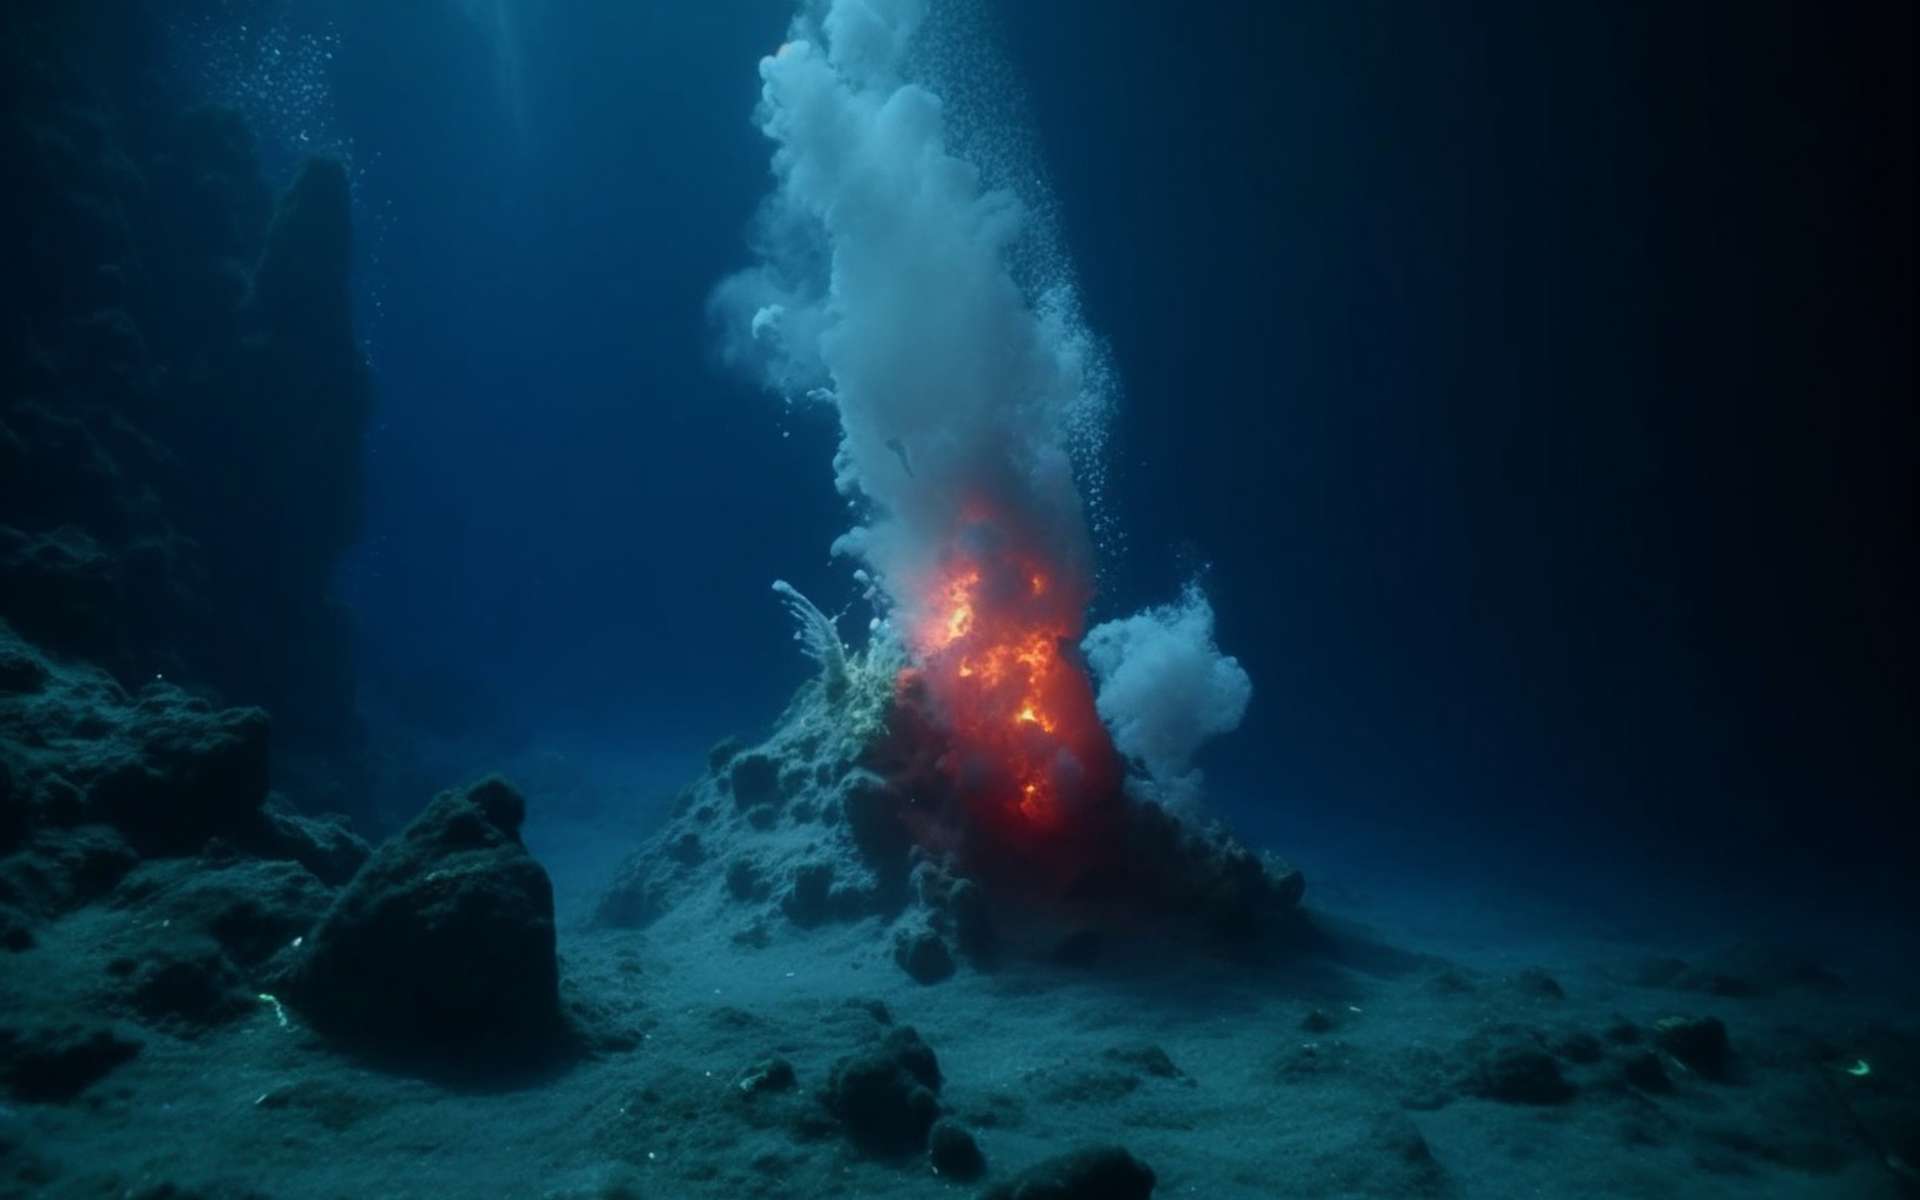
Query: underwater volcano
[(909, 289), (384, 544)]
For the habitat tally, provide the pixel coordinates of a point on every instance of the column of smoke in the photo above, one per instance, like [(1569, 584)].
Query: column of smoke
[(887, 287)]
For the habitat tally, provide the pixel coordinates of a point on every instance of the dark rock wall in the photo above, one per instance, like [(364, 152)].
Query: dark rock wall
[(182, 396)]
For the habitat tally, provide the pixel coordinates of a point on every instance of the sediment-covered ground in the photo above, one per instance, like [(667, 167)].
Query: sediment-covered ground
[(160, 1035)]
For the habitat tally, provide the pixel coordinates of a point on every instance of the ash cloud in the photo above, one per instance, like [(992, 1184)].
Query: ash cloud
[(884, 289), (1165, 689)]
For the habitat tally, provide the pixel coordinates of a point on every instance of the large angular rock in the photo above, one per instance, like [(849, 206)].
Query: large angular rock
[(443, 943)]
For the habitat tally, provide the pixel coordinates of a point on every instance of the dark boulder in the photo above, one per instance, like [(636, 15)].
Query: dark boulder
[(756, 779), (886, 1098), (1317, 1021), (1699, 1042), (1519, 1074), (923, 954), (1645, 1071), (953, 1152), (443, 943), (1092, 1173)]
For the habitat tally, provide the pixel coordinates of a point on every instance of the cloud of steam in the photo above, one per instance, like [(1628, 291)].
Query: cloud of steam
[(1165, 688), (884, 289)]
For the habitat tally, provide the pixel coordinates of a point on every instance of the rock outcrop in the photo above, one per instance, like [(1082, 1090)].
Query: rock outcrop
[(182, 396), (94, 777)]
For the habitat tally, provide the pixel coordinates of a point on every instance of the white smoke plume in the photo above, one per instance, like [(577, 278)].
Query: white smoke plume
[(1165, 688), (884, 289)]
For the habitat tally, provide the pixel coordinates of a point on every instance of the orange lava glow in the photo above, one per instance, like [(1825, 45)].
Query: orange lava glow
[(992, 636)]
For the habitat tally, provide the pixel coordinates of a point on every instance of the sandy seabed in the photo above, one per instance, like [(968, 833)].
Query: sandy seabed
[(1363, 1067)]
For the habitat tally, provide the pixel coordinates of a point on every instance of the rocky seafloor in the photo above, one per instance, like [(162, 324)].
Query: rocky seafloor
[(206, 993), (801, 979)]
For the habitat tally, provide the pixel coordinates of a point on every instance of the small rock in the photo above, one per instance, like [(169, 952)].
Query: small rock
[(1146, 1057), (1519, 1074), (1646, 1072), (1093, 1173), (1535, 982), (1579, 1046), (1622, 1032), (806, 902), (923, 954), (1699, 1042), (744, 880), (1399, 1139), (953, 1152), (1317, 1021), (756, 780), (913, 1055), (885, 1098), (1450, 982), (722, 753), (872, 809)]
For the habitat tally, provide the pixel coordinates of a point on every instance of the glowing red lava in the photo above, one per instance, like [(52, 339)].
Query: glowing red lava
[(993, 636)]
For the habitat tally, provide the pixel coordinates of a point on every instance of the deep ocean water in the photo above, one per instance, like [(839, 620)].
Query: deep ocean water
[(944, 597)]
